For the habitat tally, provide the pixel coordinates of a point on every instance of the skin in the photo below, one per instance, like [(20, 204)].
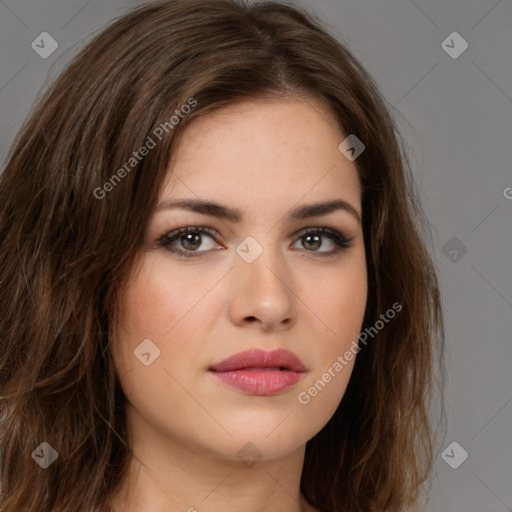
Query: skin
[(264, 157)]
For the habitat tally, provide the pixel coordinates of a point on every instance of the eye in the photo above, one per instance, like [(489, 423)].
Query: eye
[(312, 240), (190, 238)]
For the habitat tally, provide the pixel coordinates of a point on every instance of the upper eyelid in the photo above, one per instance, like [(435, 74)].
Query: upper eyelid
[(209, 230)]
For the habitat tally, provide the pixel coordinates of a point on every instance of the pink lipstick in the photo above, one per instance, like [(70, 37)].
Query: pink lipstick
[(258, 372)]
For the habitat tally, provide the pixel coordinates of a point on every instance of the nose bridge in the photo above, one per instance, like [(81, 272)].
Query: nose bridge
[(262, 281), (262, 260)]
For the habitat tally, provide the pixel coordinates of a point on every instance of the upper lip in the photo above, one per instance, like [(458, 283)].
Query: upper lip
[(260, 358)]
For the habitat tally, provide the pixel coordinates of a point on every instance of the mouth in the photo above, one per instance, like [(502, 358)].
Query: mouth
[(258, 372), (264, 368)]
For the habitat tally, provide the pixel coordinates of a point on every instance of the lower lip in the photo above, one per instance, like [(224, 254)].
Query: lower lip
[(259, 382)]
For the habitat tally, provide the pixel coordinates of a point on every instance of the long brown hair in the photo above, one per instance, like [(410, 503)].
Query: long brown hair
[(72, 224)]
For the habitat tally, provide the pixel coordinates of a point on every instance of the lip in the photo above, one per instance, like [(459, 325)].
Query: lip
[(260, 372), (257, 358)]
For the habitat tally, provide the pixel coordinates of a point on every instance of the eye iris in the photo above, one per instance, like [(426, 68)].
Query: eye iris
[(316, 241), (193, 238)]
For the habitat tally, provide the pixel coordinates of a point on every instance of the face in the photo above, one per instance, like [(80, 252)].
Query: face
[(260, 272)]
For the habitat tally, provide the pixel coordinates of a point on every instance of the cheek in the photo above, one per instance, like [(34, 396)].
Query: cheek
[(163, 305), (153, 306), (349, 305), (339, 301), (341, 306), (155, 301)]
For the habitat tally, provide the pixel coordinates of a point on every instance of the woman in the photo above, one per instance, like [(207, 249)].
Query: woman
[(215, 294)]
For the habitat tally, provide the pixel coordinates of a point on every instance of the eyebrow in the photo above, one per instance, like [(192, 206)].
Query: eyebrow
[(236, 215)]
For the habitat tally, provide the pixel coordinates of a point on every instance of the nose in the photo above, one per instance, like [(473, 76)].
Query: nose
[(263, 293)]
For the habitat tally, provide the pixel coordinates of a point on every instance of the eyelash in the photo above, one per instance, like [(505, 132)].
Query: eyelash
[(342, 243)]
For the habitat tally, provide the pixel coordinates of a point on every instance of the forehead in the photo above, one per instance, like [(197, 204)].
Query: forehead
[(263, 151)]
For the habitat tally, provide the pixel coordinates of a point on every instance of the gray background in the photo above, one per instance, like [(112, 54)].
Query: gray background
[(456, 116)]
